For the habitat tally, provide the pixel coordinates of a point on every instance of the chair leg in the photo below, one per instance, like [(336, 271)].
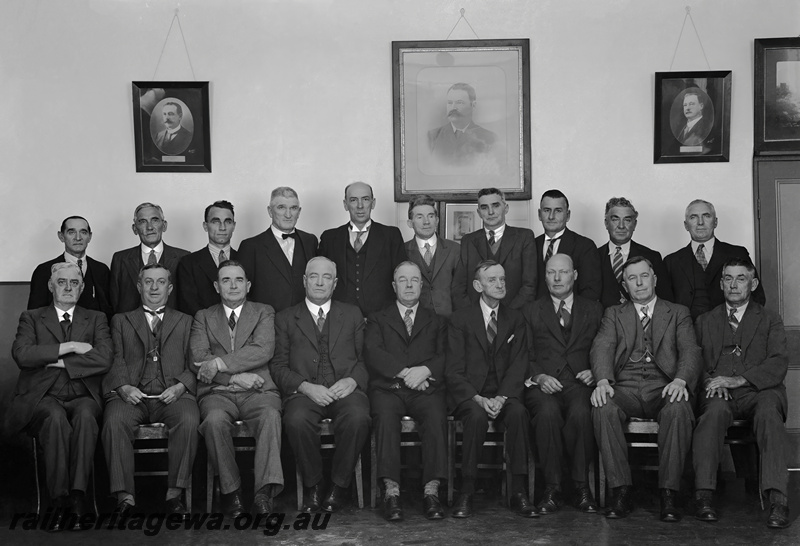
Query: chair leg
[(373, 477), (359, 483)]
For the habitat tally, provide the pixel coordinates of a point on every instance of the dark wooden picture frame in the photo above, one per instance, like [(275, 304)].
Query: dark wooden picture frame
[(692, 117), (171, 127), (458, 219), (480, 86), (777, 96)]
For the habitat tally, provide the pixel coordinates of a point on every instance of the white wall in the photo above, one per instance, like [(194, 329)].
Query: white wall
[(301, 95)]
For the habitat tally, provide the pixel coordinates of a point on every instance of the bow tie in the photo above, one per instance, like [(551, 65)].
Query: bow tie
[(293, 235)]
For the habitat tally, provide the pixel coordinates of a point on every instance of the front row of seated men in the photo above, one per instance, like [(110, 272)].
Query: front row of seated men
[(642, 357)]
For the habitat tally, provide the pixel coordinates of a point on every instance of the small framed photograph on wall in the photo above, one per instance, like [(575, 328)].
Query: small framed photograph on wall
[(171, 127), (459, 219), (777, 96), (692, 117)]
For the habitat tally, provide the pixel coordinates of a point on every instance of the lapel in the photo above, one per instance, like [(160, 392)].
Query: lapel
[(662, 315), (218, 324), (506, 243), (133, 263), (439, 257), (80, 322), (578, 319), (245, 325), (412, 250), (274, 253), (749, 323), (480, 243), (421, 320), (334, 326), (628, 317), (207, 265), (687, 262), (140, 325), (502, 328), (306, 324), (717, 259), (50, 320), (171, 318), (168, 258), (477, 326), (716, 325), (567, 244), (374, 248), (395, 321), (548, 316)]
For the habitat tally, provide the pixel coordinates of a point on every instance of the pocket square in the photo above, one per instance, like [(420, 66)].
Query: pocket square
[(509, 340)]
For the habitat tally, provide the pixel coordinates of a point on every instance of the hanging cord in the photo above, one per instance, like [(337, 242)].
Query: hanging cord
[(175, 18), (463, 11), (689, 16)]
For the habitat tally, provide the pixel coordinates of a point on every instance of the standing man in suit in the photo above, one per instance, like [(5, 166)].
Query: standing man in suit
[(486, 364), (151, 381), (232, 343), (620, 223), (646, 361), (405, 350), (745, 362), (276, 259), (62, 351), (76, 234), (319, 368), (554, 214), (695, 270), (365, 253), (437, 258), (149, 225), (562, 326), (511, 247), (197, 272)]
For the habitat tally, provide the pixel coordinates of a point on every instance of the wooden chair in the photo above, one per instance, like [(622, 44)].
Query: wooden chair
[(40, 482), (407, 427), (740, 433), (150, 439), (240, 434)]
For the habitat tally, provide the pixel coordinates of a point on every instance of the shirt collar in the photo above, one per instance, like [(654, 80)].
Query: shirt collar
[(651, 305), (567, 301), (464, 130), (313, 308), (708, 246), (215, 250), (690, 124), (739, 310), (279, 234), (498, 231), (72, 259), (145, 250), (402, 308), (237, 311), (487, 311), (354, 229), (624, 248), (173, 131), (60, 313), (421, 242), (556, 236)]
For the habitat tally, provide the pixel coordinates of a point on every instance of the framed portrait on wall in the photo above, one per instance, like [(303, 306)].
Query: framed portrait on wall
[(459, 219), (461, 118), (692, 117), (777, 96), (171, 127)]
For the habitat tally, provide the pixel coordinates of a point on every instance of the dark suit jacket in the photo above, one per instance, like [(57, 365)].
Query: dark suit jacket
[(674, 342), (764, 352), (612, 289), (548, 351), (680, 264), (296, 352), (385, 251), (125, 267), (130, 331), (389, 348), (38, 336), (468, 352), (436, 287), (467, 147), (586, 259), (516, 255), (698, 133), (97, 299), (178, 144), (196, 275), (271, 273), (254, 344)]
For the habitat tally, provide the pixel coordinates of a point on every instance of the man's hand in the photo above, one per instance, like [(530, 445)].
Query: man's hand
[(208, 370), (74, 347), (602, 393), (483, 403), (319, 394), (416, 376), (130, 394), (59, 364), (726, 382), (343, 387), (548, 384), (173, 393), (722, 392), (247, 381), (496, 404), (586, 377), (676, 390)]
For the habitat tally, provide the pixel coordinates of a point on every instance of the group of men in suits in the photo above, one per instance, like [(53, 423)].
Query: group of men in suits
[(280, 341)]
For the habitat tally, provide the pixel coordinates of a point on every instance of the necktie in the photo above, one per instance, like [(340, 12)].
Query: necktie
[(408, 321), (428, 256), (80, 265), (292, 235), (732, 320), (232, 321), (564, 316), (65, 326), (357, 244), (320, 319), (550, 249), (152, 258), (617, 264), (155, 325), (701, 256), (645, 319), (491, 329), (491, 237), (222, 256)]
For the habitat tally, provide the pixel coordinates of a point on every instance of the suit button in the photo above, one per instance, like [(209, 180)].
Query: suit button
[(315, 360)]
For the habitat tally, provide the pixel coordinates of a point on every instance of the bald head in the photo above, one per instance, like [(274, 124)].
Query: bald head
[(359, 202), (560, 276)]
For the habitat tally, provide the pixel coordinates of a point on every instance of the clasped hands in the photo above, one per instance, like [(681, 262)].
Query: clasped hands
[(323, 396), (550, 385), (416, 377), (132, 395), (492, 406)]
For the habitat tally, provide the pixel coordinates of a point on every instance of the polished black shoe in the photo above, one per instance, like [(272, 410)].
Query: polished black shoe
[(175, 506), (336, 499), (262, 504), (704, 510), (522, 506), (551, 501), (463, 506), (313, 498), (77, 509), (432, 508), (620, 505), (778, 516), (669, 510), (584, 501), (392, 509), (59, 516), (123, 510), (232, 504)]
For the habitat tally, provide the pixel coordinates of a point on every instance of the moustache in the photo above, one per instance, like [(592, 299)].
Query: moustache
[(454, 114)]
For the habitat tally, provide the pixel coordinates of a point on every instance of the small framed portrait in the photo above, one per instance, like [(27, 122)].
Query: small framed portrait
[(459, 219), (171, 127), (777, 96), (692, 117), (461, 118)]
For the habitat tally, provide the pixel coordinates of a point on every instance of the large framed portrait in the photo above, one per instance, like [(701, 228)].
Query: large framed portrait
[(692, 117), (777, 96), (459, 219), (461, 118), (171, 127)]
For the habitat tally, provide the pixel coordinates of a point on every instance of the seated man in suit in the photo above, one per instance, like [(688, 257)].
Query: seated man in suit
[(62, 351), (404, 347), (745, 362), (646, 361), (197, 272), (562, 326), (694, 271), (620, 223), (511, 247), (554, 214), (486, 363), (275, 260), (365, 253), (76, 234), (232, 343), (319, 368), (437, 258), (149, 225), (151, 381)]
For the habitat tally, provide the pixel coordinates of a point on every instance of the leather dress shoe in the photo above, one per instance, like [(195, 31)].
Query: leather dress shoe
[(551, 501), (313, 498), (522, 506), (704, 510), (778, 516), (336, 499), (123, 510), (77, 509), (262, 504), (232, 504), (60, 515), (620, 505), (669, 511), (584, 501), (432, 508), (175, 506), (463, 506), (392, 509)]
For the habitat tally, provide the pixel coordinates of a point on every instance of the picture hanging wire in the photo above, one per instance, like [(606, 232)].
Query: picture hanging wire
[(463, 11), (689, 16), (183, 38)]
